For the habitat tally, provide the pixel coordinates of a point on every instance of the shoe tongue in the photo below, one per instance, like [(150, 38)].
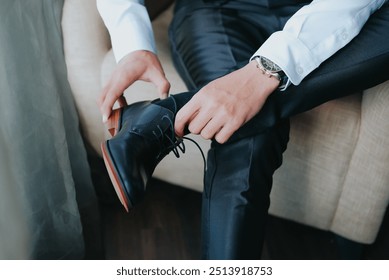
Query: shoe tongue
[(153, 121)]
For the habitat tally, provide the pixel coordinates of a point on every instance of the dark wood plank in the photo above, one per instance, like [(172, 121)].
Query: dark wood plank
[(166, 225)]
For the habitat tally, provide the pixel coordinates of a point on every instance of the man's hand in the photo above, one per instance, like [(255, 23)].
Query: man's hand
[(224, 105), (137, 65)]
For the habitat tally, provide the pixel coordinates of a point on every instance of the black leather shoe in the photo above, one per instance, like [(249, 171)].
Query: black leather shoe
[(143, 136)]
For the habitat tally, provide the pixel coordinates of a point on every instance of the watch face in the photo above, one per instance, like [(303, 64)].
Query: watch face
[(269, 65)]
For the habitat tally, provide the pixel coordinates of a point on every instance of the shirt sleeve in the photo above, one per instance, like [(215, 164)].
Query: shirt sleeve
[(315, 33), (128, 24)]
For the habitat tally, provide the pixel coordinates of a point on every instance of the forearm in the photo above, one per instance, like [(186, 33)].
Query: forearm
[(315, 33), (128, 24)]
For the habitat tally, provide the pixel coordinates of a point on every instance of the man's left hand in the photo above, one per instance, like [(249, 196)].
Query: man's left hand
[(225, 104)]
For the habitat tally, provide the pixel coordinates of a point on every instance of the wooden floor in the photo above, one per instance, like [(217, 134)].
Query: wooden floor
[(166, 225)]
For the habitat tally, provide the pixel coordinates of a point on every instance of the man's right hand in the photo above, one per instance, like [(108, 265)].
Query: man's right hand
[(138, 65)]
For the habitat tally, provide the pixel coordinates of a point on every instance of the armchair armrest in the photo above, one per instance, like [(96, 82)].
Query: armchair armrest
[(86, 42), (365, 194)]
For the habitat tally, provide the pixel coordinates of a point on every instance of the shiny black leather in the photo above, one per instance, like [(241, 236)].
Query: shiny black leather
[(236, 194), (145, 137)]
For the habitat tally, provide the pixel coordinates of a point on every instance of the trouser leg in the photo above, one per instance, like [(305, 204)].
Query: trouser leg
[(211, 41), (236, 194)]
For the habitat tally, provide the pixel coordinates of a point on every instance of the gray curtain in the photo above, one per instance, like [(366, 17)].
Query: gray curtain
[(48, 207)]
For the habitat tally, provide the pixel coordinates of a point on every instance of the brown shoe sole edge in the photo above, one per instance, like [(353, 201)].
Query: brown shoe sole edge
[(114, 176), (114, 121)]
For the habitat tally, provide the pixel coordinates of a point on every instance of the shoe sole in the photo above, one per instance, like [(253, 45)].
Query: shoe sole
[(114, 121), (114, 176)]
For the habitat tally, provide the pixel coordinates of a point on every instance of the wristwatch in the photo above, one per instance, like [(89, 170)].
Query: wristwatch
[(271, 69)]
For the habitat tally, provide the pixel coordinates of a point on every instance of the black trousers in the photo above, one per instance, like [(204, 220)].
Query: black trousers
[(212, 38)]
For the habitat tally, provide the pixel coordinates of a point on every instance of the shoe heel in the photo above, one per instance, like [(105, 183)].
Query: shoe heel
[(114, 176), (113, 122)]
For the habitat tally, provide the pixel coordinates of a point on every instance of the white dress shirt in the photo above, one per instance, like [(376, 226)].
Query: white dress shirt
[(310, 36), (128, 24)]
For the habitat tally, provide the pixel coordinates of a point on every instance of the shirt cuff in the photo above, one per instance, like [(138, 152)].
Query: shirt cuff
[(131, 36), (294, 58)]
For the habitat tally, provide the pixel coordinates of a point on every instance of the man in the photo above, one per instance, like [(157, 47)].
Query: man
[(251, 64)]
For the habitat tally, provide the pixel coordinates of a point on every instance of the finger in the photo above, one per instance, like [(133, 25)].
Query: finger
[(212, 128), (163, 88), (100, 103), (199, 121), (114, 91), (162, 84), (185, 115), (225, 133), (106, 107)]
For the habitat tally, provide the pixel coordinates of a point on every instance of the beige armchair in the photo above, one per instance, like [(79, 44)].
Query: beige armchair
[(335, 174)]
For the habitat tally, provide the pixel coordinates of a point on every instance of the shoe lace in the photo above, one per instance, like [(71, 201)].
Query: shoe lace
[(175, 144)]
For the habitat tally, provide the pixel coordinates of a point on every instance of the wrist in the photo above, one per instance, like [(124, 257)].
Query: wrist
[(272, 70), (264, 83)]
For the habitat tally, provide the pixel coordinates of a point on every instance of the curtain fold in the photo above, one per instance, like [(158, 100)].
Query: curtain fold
[(48, 208)]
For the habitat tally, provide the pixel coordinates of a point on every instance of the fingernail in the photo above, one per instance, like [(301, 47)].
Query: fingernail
[(105, 118)]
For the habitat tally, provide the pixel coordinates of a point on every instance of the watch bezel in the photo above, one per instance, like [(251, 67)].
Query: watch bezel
[(279, 74), (269, 65)]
